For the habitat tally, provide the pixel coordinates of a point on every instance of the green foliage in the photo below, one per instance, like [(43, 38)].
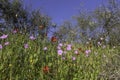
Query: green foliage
[(24, 57), (18, 62)]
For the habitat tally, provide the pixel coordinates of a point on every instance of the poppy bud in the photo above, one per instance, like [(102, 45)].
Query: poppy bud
[(41, 27), (45, 69), (54, 39)]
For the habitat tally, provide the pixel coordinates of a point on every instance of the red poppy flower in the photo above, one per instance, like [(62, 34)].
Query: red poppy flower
[(54, 39), (45, 69)]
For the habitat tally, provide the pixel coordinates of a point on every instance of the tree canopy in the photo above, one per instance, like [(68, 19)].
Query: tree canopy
[(103, 22), (13, 15)]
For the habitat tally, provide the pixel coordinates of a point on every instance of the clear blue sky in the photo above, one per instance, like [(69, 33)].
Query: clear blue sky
[(61, 10)]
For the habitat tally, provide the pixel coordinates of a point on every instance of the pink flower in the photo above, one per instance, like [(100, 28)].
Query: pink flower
[(25, 45), (63, 58), (58, 47), (104, 46), (45, 48), (69, 47), (59, 52), (15, 31), (32, 37), (101, 38), (87, 52), (76, 52), (99, 43), (3, 36), (1, 46), (60, 44), (73, 58), (64, 52), (6, 43)]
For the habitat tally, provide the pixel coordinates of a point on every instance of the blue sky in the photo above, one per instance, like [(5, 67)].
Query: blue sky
[(61, 10)]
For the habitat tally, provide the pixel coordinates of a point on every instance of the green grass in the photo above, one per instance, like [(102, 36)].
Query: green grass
[(18, 63)]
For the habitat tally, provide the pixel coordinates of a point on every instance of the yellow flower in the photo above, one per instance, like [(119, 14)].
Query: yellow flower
[(31, 61), (10, 65)]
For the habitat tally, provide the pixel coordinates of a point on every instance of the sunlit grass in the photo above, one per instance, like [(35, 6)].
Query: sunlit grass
[(40, 60)]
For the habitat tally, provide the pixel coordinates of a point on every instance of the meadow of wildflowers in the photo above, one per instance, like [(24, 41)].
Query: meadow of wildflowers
[(24, 57)]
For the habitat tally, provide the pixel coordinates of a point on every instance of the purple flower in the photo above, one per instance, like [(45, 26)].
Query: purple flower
[(1, 46), (25, 45), (73, 58), (59, 52), (45, 48), (3, 36), (6, 43), (32, 37)]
